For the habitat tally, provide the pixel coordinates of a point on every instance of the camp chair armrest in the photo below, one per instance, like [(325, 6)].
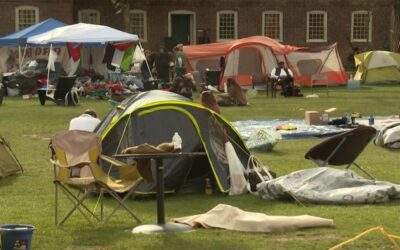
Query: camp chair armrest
[(115, 162)]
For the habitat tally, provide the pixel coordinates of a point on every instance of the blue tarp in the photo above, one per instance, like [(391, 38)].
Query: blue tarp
[(19, 38)]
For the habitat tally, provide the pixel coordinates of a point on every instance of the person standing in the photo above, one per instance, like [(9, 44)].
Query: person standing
[(161, 62), (283, 77), (180, 61)]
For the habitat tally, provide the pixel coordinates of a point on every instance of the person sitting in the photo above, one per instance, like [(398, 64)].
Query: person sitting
[(87, 121), (183, 87), (117, 92), (235, 95), (208, 100), (284, 78)]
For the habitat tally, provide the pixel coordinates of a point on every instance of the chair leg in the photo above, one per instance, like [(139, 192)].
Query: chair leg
[(121, 202), (78, 203), (363, 170)]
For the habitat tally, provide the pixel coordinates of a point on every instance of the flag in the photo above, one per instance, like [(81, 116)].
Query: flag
[(74, 52), (119, 56), (52, 59)]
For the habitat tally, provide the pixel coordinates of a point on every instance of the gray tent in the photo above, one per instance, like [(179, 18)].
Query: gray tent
[(9, 164), (153, 117)]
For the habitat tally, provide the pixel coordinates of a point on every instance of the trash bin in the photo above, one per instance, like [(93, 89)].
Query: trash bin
[(16, 236), (212, 77)]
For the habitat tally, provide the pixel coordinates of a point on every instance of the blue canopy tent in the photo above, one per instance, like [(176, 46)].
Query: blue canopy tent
[(20, 37)]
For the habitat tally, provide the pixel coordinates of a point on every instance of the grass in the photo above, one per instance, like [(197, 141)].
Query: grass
[(29, 197)]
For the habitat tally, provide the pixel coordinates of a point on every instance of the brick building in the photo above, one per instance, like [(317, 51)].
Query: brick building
[(364, 24)]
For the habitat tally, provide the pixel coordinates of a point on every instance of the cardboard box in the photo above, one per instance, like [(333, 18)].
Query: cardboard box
[(318, 117)]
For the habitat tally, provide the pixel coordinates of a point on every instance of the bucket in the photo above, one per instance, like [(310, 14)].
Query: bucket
[(16, 236)]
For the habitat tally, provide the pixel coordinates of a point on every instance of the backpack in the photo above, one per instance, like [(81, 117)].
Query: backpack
[(257, 173)]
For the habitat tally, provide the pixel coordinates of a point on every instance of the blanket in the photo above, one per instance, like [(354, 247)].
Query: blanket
[(232, 218)]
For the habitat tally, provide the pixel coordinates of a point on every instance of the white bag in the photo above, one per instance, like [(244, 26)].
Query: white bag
[(236, 171)]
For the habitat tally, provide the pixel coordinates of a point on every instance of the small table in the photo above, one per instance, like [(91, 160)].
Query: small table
[(161, 226)]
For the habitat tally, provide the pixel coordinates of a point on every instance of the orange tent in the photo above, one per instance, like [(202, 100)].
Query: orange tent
[(259, 54)]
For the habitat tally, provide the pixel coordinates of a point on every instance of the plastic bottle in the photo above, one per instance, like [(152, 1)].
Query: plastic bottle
[(177, 141), (208, 187), (371, 120)]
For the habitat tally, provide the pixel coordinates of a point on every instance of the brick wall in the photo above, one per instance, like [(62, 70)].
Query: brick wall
[(58, 9), (249, 17)]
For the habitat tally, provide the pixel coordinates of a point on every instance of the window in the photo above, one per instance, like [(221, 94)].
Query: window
[(89, 16), (316, 26), (26, 16), (361, 23), (138, 23), (272, 24), (226, 25)]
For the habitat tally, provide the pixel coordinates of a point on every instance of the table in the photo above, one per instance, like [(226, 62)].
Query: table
[(161, 226)]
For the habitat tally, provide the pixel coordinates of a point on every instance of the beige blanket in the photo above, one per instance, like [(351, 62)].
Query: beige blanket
[(232, 218)]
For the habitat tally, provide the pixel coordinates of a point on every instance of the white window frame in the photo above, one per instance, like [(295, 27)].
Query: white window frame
[(25, 7), (325, 39), (280, 13), (84, 11), (235, 24), (136, 11), (369, 39)]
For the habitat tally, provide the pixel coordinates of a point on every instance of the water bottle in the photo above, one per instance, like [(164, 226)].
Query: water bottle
[(177, 141), (208, 187), (371, 120)]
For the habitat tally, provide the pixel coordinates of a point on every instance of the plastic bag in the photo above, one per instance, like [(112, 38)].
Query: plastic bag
[(236, 171), (263, 139)]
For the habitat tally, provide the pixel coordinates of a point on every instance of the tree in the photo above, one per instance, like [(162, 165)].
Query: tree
[(122, 7)]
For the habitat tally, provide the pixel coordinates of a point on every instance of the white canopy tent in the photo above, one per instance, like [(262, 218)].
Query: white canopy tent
[(83, 33), (86, 34)]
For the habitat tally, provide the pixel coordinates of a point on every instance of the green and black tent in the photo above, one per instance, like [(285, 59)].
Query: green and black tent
[(153, 117)]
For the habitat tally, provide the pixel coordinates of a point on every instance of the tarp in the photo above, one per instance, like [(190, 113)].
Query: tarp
[(83, 33), (19, 38), (330, 186), (377, 67), (259, 54)]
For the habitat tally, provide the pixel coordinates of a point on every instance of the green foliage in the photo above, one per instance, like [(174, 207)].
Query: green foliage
[(29, 197)]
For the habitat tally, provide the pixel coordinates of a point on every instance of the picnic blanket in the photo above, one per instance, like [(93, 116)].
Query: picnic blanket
[(330, 186), (298, 129), (232, 218)]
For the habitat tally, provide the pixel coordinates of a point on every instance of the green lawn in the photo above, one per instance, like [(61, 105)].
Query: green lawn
[(29, 197)]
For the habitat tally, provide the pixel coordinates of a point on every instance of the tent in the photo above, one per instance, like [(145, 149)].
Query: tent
[(90, 35), (259, 54), (9, 163), (324, 60), (377, 67), (19, 38), (153, 117), (83, 33)]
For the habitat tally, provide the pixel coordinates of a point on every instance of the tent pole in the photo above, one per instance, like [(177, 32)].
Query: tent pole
[(23, 55), (19, 58), (145, 59), (48, 69)]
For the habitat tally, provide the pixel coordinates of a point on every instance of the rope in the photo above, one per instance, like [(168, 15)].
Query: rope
[(379, 229)]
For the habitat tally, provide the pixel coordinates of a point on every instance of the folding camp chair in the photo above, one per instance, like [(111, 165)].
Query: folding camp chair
[(343, 148), (64, 94), (75, 160)]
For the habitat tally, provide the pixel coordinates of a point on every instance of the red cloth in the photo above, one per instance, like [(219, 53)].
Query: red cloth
[(122, 46), (117, 86), (74, 51)]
